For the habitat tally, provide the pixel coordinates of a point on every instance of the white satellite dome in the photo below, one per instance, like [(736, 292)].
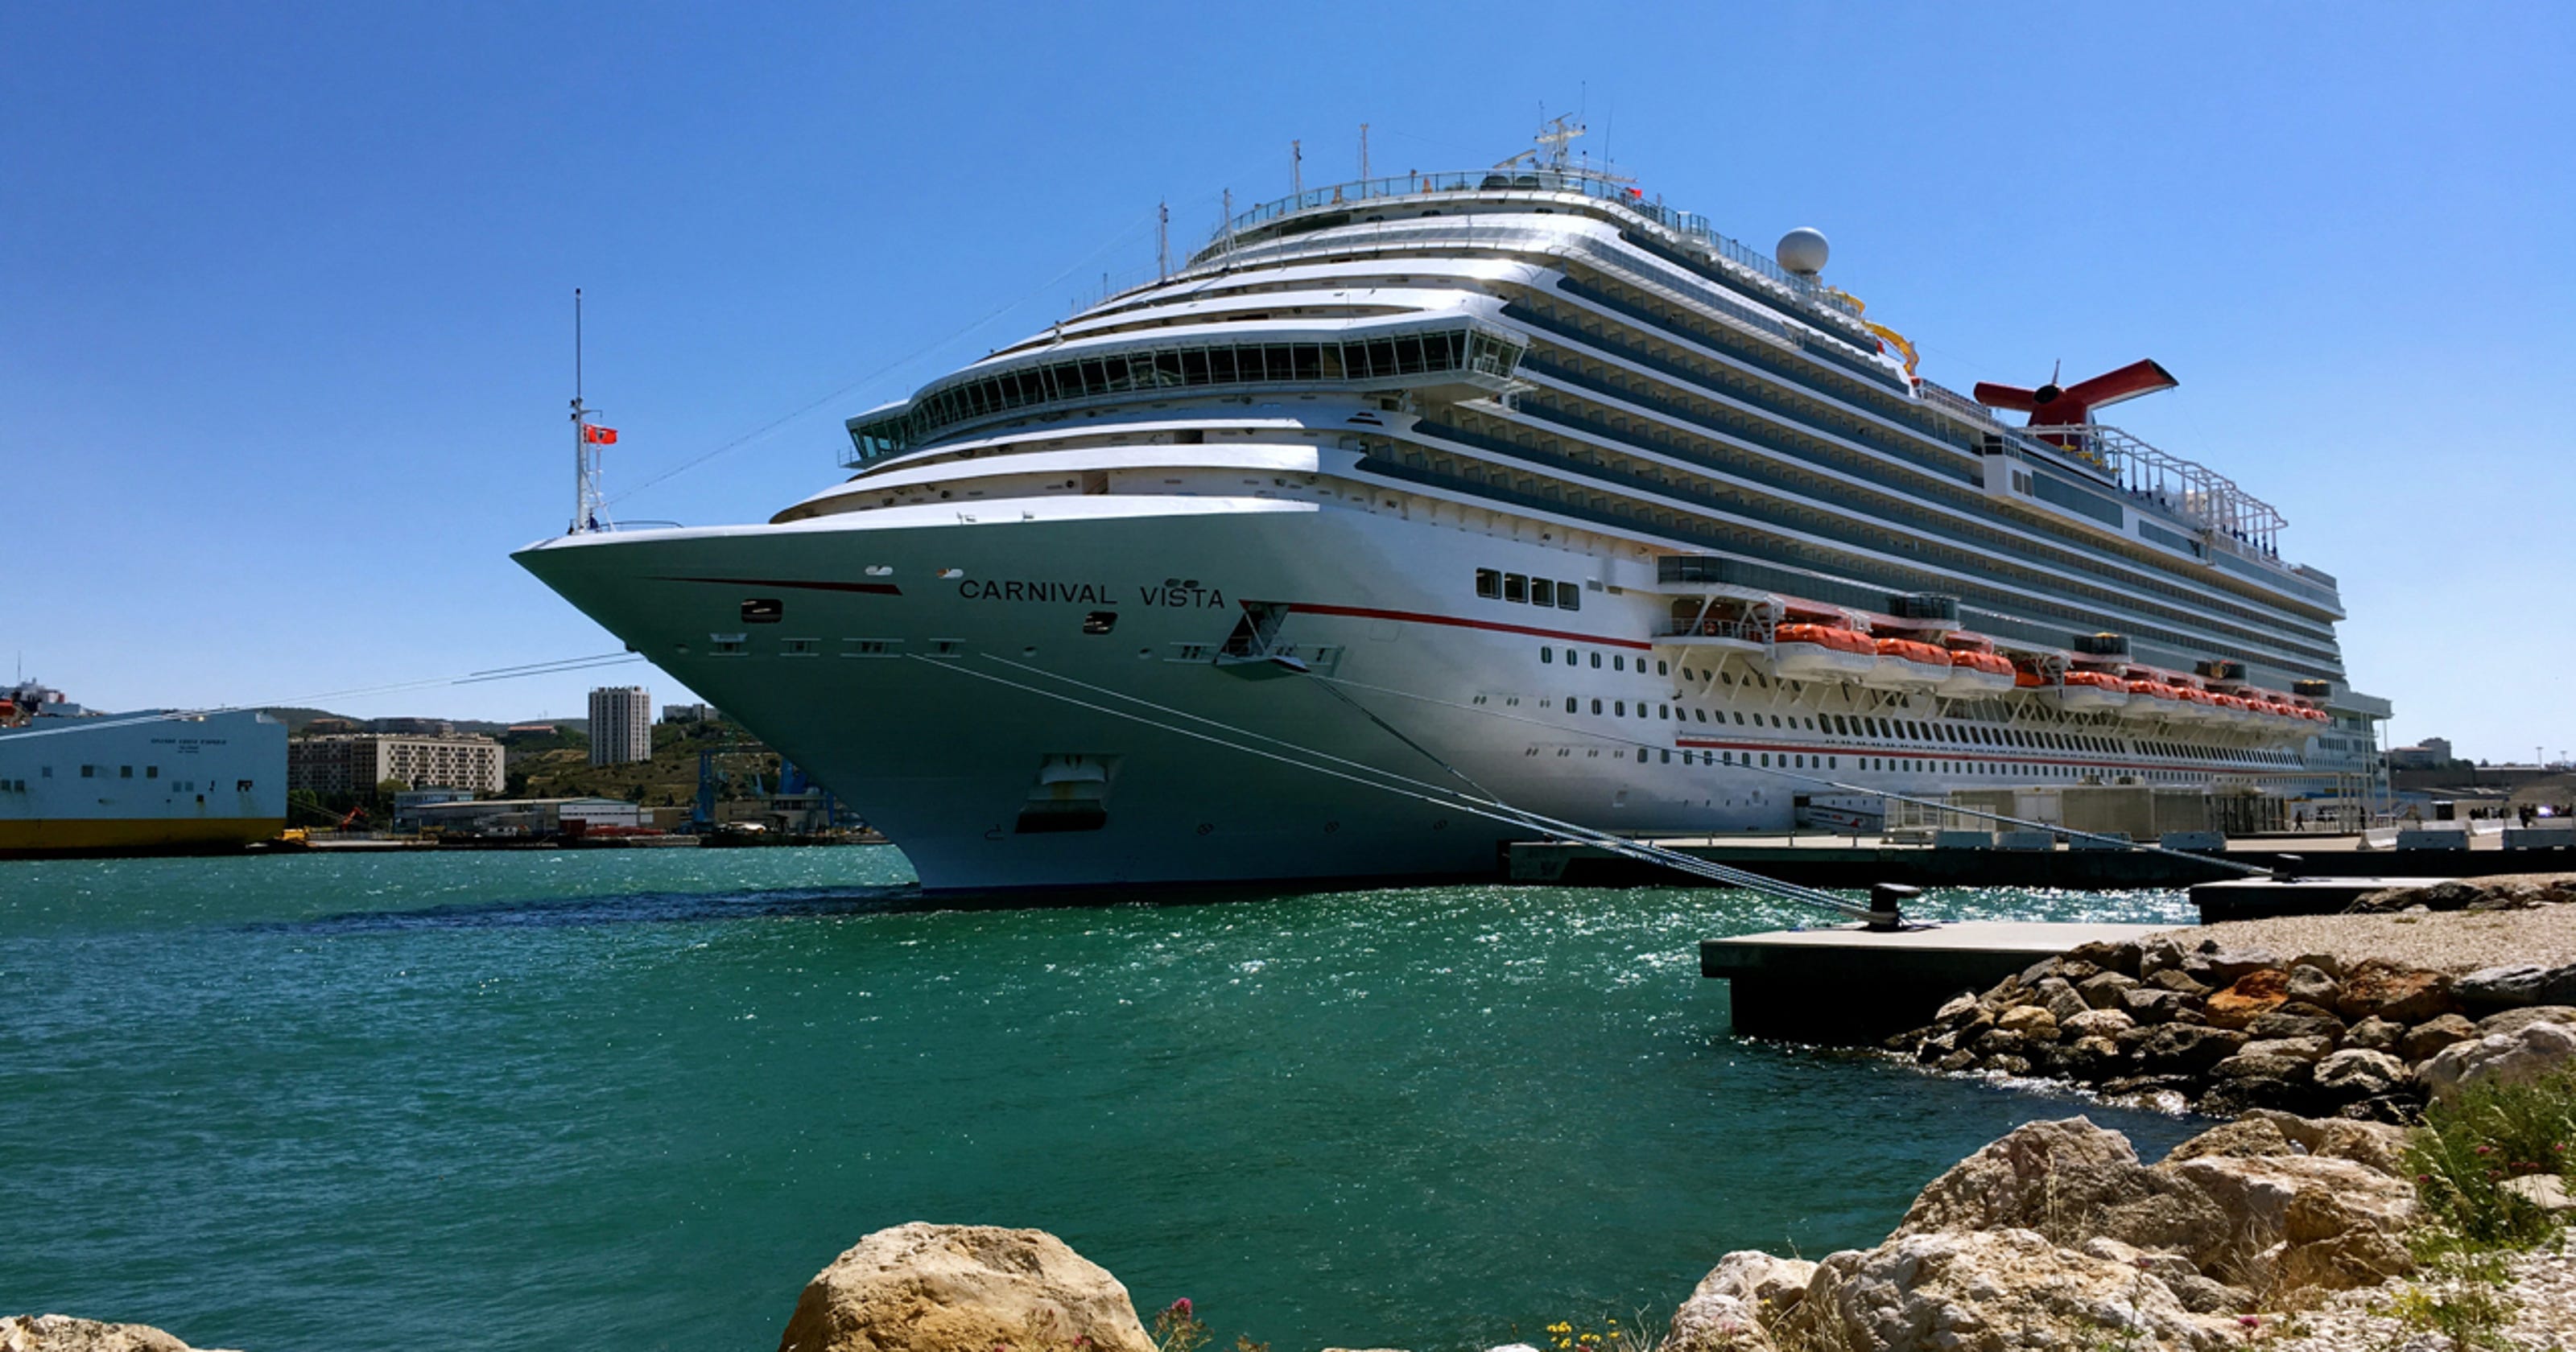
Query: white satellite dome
[(1803, 251)]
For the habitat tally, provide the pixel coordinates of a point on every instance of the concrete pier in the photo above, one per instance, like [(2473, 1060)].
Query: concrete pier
[(1820, 860), (1848, 985)]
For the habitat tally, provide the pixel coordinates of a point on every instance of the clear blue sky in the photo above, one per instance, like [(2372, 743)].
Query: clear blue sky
[(284, 345)]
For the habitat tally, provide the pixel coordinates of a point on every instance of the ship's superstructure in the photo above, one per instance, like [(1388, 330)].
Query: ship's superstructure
[(1541, 485), (77, 782)]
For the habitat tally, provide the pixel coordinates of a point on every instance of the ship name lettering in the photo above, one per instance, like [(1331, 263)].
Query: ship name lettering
[(1091, 593), (1182, 598)]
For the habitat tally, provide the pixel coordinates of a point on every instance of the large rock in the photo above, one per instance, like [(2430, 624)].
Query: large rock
[(2220, 966), (2332, 1244), (2255, 1193), (63, 1333), (2312, 984), (2385, 990), (2376, 1145), (2070, 1181), (2098, 1023), (1758, 1279), (2296, 1048), (2356, 1073), (1991, 1291), (1712, 1321), (2527, 1053), (2515, 1020), (2507, 987), (2247, 1136), (2149, 1004), (2186, 1048), (2429, 1037), (2378, 1035), (962, 1288), (2252, 995), (2032, 1022), (1736, 1302)]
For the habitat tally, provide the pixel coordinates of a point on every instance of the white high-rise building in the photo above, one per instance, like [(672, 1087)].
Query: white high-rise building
[(621, 724)]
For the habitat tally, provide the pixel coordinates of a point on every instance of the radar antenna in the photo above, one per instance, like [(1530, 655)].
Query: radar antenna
[(1548, 152)]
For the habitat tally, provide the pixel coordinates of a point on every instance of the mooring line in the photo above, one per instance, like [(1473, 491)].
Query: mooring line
[(2250, 870), (1491, 809)]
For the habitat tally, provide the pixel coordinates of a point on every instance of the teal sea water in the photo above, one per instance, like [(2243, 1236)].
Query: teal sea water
[(636, 1099)]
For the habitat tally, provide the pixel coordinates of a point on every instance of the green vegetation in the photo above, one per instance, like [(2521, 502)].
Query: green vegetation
[(2463, 1156), (557, 765), (2470, 1148)]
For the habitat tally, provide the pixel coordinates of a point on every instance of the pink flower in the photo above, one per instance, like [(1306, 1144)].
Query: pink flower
[(1182, 1308), (2251, 1321)]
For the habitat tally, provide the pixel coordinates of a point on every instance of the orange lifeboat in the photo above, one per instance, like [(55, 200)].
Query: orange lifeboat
[(2092, 690), (1821, 652), (1907, 664), (1974, 672)]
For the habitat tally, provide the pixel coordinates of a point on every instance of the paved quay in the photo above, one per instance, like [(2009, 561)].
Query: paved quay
[(1849, 984), (1818, 859)]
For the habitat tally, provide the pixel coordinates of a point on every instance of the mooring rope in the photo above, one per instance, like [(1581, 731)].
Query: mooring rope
[(1489, 807)]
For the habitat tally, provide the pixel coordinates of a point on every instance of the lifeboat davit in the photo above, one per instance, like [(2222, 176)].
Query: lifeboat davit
[(1979, 673), (1905, 664), (2092, 690), (1822, 652)]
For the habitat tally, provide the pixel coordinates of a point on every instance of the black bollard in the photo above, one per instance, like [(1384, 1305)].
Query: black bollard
[(2285, 868), (1885, 903)]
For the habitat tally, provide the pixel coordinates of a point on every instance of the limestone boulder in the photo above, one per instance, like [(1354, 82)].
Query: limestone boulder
[(2070, 1181), (2527, 1053), (2545, 1191), (2186, 1049), (962, 1288), (2356, 1073), (2378, 988), (2110, 1023), (2251, 996), (2312, 984), (2221, 966), (2296, 1020), (2119, 958), (2248, 1136), (2296, 1048), (2336, 1244), (1991, 1291), (2374, 1034), (2103, 990), (2491, 988), (2179, 982), (2429, 1037), (1767, 1285), (2032, 1022), (2515, 1020), (2255, 1192), (2149, 1004), (1715, 1322), (63, 1333), (2373, 1145)]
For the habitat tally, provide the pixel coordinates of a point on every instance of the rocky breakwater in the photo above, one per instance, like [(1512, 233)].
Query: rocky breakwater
[(2347, 1015)]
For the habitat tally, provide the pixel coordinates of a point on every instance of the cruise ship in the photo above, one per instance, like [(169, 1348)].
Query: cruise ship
[(77, 782), (1513, 485)]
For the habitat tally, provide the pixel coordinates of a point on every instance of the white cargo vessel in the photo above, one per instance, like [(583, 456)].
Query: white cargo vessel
[(1514, 477), (77, 782)]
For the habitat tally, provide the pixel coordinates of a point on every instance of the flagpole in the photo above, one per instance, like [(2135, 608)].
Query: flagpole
[(580, 452)]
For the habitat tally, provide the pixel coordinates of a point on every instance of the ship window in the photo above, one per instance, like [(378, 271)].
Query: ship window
[(1489, 583), (1596, 706), (1766, 760), (1542, 592), (1668, 758), (1569, 596), (1596, 661), (1663, 668), (1618, 663), (1739, 718), (1569, 705), (1661, 710), (1515, 587), (763, 610), (1700, 714), (1546, 655), (125, 772), (152, 772)]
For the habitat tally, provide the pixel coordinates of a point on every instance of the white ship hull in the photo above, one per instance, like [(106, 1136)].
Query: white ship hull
[(936, 675)]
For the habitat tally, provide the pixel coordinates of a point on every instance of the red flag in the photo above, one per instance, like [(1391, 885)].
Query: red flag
[(598, 436)]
